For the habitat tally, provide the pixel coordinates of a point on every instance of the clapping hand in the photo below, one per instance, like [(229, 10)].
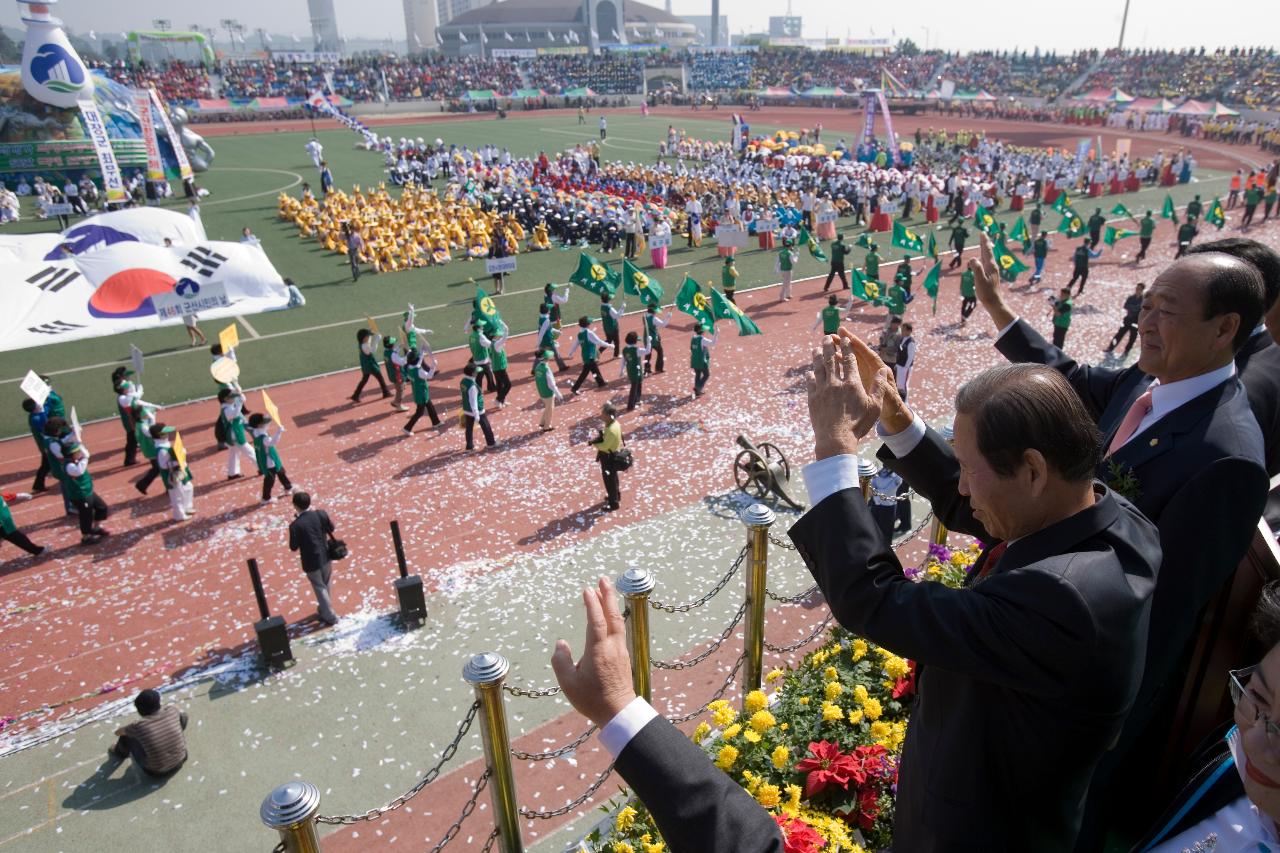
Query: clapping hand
[(599, 684), (845, 394), (986, 284)]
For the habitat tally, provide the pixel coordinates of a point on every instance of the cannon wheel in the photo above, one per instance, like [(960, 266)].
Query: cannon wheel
[(751, 472), (772, 456)]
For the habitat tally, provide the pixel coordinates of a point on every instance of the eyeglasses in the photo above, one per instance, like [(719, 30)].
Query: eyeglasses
[(1244, 701)]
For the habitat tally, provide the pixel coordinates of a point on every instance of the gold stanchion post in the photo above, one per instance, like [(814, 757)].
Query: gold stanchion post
[(938, 530), (486, 672), (635, 586), (758, 518), (866, 470), (291, 811)]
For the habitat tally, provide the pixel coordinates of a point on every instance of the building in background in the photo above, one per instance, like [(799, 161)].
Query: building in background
[(324, 26), (529, 27), (702, 23), (785, 26)]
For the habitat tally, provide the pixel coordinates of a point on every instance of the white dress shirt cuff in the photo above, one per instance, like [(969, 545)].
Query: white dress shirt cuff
[(625, 725), (828, 476), (1006, 329), (902, 443)]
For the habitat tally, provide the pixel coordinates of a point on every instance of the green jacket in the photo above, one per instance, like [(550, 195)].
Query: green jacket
[(265, 453)]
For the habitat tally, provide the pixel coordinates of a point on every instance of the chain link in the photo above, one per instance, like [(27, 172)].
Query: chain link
[(466, 813), (279, 848), (540, 693), (488, 845), (907, 537), (556, 753), (804, 641), (794, 599), (781, 543), (733, 674), (905, 496), (568, 807), (694, 661), (429, 777), (685, 608)]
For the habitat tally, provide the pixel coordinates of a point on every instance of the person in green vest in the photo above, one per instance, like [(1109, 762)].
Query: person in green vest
[(897, 299), (478, 343), (548, 392), (590, 343), (1187, 232), (1268, 202), (903, 274), (1033, 223), (367, 346), (89, 505), (419, 371), (54, 407), (729, 279), (36, 419), (1195, 207), (839, 251), (1040, 252), (633, 368), (144, 416), (56, 432), (828, 317), (1252, 198), (473, 408), (959, 234), (1096, 221), (548, 334), (553, 301), (700, 358), (498, 358), (9, 531), (653, 336), (968, 295), (264, 450), (232, 403), (1146, 228), (872, 265), (175, 476), (220, 425), (395, 371), (787, 258), (124, 393), (609, 318), (1061, 317)]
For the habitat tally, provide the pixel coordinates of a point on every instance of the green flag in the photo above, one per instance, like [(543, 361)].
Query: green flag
[(905, 238), (983, 220), (723, 309), (639, 284), (931, 283), (867, 291), (1071, 225), (691, 301), (932, 251), (864, 240), (1019, 232), (594, 276), (1168, 211), (814, 249), (1215, 215), (1121, 210), (484, 312), (1007, 262), (1113, 234), (1062, 203)]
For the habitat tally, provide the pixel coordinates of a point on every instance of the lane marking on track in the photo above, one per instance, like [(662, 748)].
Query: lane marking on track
[(297, 179), (248, 327)]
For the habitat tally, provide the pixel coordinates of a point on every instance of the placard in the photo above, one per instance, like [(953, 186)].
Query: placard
[(62, 209), (190, 298), (827, 216), (373, 325), (179, 451), (659, 241), (96, 130), (270, 406), (229, 338), (35, 388), (493, 266), (889, 207), (75, 427), (766, 226), (135, 356), (225, 370), (731, 236)]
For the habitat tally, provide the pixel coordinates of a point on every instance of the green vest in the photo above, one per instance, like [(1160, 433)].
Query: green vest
[(479, 354), (498, 357), (606, 318), (368, 363), (651, 329), (54, 406), (698, 357), (1146, 227), (873, 266), (588, 348), (631, 355), (421, 393), (1186, 231), (728, 280), (966, 285), (167, 473), (542, 378), (6, 519), (1063, 320), (897, 300), (830, 320), (838, 251), (467, 384), (784, 259), (80, 488), (548, 338), (262, 452), (146, 443), (1041, 248), (56, 465)]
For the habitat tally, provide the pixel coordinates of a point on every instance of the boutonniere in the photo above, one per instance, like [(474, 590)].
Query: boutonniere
[(1121, 480), (1206, 845)]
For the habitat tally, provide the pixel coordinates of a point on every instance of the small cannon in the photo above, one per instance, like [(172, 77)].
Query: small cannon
[(762, 471)]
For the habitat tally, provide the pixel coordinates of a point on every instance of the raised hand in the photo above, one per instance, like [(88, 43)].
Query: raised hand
[(599, 684), (986, 284), (844, 398), (894, 414)]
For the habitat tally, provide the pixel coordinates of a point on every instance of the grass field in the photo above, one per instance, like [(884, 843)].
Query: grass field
[(249, 173)]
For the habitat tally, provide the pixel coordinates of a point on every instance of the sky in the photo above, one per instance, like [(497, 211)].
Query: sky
[(953, 24)]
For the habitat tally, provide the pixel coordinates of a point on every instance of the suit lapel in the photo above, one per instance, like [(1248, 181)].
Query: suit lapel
[(1159, 438), (1131, 389)]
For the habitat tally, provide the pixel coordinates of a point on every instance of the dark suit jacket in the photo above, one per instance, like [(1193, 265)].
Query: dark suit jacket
[(308, 535), (696, 806), (1025, 677), (1259, 364), (1200, 470)]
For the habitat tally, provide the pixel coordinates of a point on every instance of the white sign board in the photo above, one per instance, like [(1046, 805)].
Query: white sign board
[(190, 297), (493, 266), (35, 387), (827, 216), (135, 356), (889, 207), (731, 236), (766, 226), (659, 241), (57, 209)]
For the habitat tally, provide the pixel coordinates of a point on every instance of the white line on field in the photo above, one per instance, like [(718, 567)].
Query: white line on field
[(253, 333)]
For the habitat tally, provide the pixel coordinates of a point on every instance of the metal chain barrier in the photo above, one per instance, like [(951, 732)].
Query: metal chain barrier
[(694, 661), (685, 608), (781, 543), (907, 537), (793, 599), (905, 496), (733, 674), (488, 845), (803, 641), (556, 753), (429, 777), (568, 807), (466, 813), (539, 693)]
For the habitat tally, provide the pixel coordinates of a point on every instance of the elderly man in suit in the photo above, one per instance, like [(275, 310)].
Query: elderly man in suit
[(309, 535)]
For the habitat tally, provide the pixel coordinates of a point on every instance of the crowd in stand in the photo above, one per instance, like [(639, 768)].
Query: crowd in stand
[(1027, 74), (607, 75), (1248, 77)]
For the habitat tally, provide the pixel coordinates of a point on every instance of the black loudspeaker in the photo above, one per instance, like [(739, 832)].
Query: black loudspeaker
[(273, 641), (413, 602)]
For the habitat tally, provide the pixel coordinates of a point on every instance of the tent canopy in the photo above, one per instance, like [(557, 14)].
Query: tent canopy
[(1220, 109), (580, 92), (823, 92), (526, 93), (1192, 107)]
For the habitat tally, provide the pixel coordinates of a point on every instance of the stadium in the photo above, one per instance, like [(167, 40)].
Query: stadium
[(462, 291)]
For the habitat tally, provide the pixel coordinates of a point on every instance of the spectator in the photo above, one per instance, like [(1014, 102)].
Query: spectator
[(309, 534), (608, 445), (156, 742)]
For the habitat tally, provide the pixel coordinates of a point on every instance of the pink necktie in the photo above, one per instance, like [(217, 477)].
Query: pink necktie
[(1140, 409)]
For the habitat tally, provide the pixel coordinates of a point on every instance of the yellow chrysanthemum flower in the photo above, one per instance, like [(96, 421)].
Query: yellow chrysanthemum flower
[(751, 736), (774, 675), (833, 690), (895, 667), (762, 721), (855, 716), (623, 847), (804, 700), (872, 708), (660, 847), (830, 712), (881, 732), (860, 694), (701, 732), (781, 757), (783, 726), (859, 650), (830, 674), (626, 819), (792, 805), (769, 796), (755, 701), (732, 732), (723, 716), (726, 758)]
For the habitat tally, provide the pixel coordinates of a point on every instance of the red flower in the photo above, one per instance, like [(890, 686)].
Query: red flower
[(868, 807), (798, 836), (906, 686), (829, 766)]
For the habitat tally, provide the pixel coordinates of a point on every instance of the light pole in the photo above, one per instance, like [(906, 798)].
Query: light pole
[(1123, 23), (926, 38)]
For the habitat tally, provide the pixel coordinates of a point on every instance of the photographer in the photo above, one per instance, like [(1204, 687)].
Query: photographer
[(608, 445)]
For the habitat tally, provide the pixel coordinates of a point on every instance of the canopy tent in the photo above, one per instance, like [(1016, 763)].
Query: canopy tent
[(773, 92), (980, 95), (824, 92), (1118, 97), (580, 92), (1150, 105), (1192, 107), (1220, 109), (269, 104), (482, 95), (526, 93), (1096, 95), (212, 105)]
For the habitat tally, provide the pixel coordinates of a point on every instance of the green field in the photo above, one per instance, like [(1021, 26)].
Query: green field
[(251, 170)]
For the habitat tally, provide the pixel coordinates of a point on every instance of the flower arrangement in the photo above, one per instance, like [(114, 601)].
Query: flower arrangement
[(822, 757)]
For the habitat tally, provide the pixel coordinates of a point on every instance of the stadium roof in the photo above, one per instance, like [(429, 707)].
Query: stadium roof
[(517, 13)]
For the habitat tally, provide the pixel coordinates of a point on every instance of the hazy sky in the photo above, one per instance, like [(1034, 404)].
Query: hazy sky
[(953, 24)]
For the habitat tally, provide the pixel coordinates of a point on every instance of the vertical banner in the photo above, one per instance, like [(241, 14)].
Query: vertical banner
[(112, 179), (184, 165), (1123, 147), (146, 120), (869, 119), (888, 124)]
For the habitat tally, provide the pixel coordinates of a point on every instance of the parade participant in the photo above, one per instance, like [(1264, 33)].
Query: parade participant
[(728, 279), (326, 179), (632, 368), (607, 446), (265, 454), (609, 317), (591, 344), (1095, 227), (828, 317), (9, 531), (1187, 232), (55, 432), (125, 393), (968, 296), (906, 359), (958, 236), (700, 358), (478, 343), (839, 249), (144, 417), (413, 332), (1080, 265), (1040, 251), (367, 343), (316, 150), (653, 336), (175, 476), (193, 330), (89, 505), (897, 300), (903, 274), (1033, 222), (1061, 316), (498, 357), (355, 248), (548, 333), (658, 254), (1129, 326), (237, 442), (1252, 197), (890, 339), (36, 419), (395, 362), (548, 392), (553, 301), (419, 371), (473, 408), (872, 265), (787, 258), (1146, 228), (54, 407)]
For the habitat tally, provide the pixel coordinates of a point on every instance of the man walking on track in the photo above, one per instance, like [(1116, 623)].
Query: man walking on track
[(309, 535)]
